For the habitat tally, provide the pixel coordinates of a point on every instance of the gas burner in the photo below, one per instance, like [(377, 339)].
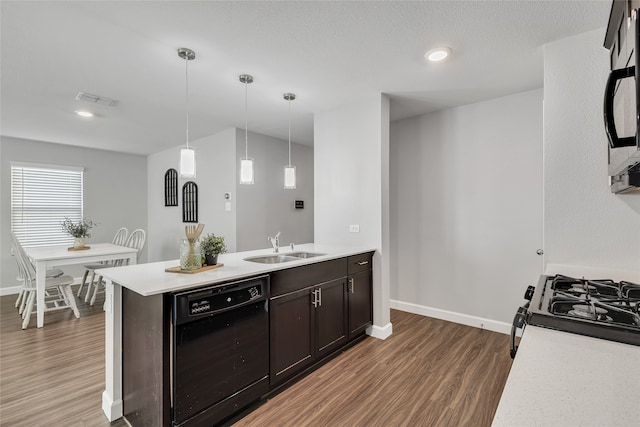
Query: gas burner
[(588, 311), (596, 307)]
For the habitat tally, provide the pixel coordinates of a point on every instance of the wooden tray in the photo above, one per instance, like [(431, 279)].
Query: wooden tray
[(177, 269), (84, 248)]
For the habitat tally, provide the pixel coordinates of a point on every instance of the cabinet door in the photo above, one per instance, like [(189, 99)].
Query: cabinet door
[(360, 302), (331, 315), (292, 344)]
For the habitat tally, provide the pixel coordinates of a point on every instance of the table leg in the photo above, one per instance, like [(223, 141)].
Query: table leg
[(41, 272)]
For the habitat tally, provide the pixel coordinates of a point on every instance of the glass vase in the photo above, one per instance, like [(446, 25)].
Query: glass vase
[(190, 255)]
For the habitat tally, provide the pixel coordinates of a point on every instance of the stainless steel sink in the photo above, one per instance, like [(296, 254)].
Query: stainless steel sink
[(280, 258), (272, 259), (303, 254)]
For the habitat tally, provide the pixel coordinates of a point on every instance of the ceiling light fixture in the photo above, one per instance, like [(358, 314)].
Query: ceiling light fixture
[(438, 54), (289, 170), (187, 154), (83, 113), (246, 164)]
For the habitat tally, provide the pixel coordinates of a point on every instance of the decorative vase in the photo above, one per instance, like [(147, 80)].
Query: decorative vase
[(78, 243), (211, 259), (190, 255)]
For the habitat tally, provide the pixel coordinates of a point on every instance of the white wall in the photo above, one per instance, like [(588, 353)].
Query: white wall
[(466, 209), (215, 175), (257, 211), (350, 147), (265, 207), (584, 223), (113, 185)]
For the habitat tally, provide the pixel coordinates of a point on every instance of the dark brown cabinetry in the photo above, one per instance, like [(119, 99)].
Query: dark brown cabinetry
[(315, 310), (360, 296)]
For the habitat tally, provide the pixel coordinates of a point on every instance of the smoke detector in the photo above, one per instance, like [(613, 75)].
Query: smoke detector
[(96, 99)]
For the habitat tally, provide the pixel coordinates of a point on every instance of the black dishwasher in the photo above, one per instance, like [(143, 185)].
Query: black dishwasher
[(220, 361)]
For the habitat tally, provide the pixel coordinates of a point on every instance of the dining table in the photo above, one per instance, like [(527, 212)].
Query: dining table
[(44, 257)]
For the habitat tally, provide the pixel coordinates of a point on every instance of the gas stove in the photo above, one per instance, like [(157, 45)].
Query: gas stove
[(599, 308)]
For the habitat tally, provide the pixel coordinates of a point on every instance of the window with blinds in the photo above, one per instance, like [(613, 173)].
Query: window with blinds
[(42, 196)]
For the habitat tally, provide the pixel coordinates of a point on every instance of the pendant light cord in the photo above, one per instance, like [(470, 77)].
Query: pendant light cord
[(289, 131), (246, 121), (186, 72)]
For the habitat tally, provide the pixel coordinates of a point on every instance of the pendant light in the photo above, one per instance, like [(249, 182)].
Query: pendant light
[(289, 170), (187, 154), (246, 163)]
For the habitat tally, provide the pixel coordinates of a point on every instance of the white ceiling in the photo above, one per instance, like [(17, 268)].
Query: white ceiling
[(327, 52)]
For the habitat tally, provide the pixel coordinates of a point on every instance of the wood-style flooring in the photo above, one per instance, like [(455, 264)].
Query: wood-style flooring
[(428, 373)]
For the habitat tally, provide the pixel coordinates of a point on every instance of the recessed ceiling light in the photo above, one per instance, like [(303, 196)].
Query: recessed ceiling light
[(438, 54), (82, 113)]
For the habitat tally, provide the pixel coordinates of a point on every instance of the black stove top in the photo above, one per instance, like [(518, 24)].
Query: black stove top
[(600, 308)]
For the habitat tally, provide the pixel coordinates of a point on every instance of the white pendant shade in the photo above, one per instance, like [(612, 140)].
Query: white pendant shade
[(246, 171), (290, 177), (187, 163)]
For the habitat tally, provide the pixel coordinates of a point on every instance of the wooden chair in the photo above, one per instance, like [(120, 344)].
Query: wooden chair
[(120, 238), (58, 290), (136, 240)]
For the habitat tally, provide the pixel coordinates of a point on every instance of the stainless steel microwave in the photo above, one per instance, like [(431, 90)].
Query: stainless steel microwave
[(622, 97)]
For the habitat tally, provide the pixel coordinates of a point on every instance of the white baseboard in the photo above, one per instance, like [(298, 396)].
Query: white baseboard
[(450, 316), (380, 332), (12, 290), (112, 410)]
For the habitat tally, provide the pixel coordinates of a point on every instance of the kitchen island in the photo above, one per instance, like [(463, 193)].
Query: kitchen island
[(151, 280)]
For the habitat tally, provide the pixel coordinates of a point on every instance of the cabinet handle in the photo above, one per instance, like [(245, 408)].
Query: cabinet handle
[(352, 285), (320, 297), (362, 262), (315, 299)]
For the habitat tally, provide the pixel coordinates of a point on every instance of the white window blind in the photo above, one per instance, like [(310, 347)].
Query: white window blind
[(42, 196)]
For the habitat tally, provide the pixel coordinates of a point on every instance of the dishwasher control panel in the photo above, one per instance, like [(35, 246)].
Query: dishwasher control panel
[(220, 298)]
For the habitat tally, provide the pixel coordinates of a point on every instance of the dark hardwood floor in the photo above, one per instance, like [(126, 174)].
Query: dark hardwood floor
[(52, 376), (428, 373)]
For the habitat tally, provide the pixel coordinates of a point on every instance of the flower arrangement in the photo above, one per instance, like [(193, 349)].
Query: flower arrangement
[(79, 229)]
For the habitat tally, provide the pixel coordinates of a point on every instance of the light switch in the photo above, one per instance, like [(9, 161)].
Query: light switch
[(227, 206), (354, 228)]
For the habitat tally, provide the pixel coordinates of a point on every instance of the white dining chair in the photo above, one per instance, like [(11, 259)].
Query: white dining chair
[(136, 241), (120, 238), (58, 289)]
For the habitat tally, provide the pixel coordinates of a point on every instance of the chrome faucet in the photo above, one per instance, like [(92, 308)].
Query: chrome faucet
[(275, 242)]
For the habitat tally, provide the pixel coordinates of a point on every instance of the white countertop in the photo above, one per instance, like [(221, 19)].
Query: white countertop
[(565, 380), (151, 279)]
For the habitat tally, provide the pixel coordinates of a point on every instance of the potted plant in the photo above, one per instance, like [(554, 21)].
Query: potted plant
[(79, 230), (212, 245)]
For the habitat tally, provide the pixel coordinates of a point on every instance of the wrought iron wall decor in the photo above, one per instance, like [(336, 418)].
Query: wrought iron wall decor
[(171, 187), (190, 202)]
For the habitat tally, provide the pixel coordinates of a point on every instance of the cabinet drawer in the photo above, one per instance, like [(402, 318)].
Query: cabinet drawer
[(360, 262), (293, 279)]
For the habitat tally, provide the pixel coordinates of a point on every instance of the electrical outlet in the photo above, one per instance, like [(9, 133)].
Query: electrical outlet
[(354, 228)]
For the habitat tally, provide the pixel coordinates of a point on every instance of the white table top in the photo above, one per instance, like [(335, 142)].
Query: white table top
[(151, 279), (51, 253), (565, 380)]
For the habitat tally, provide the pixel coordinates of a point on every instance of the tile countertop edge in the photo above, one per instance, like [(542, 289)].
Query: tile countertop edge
[(564, 379), (151, 278)]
